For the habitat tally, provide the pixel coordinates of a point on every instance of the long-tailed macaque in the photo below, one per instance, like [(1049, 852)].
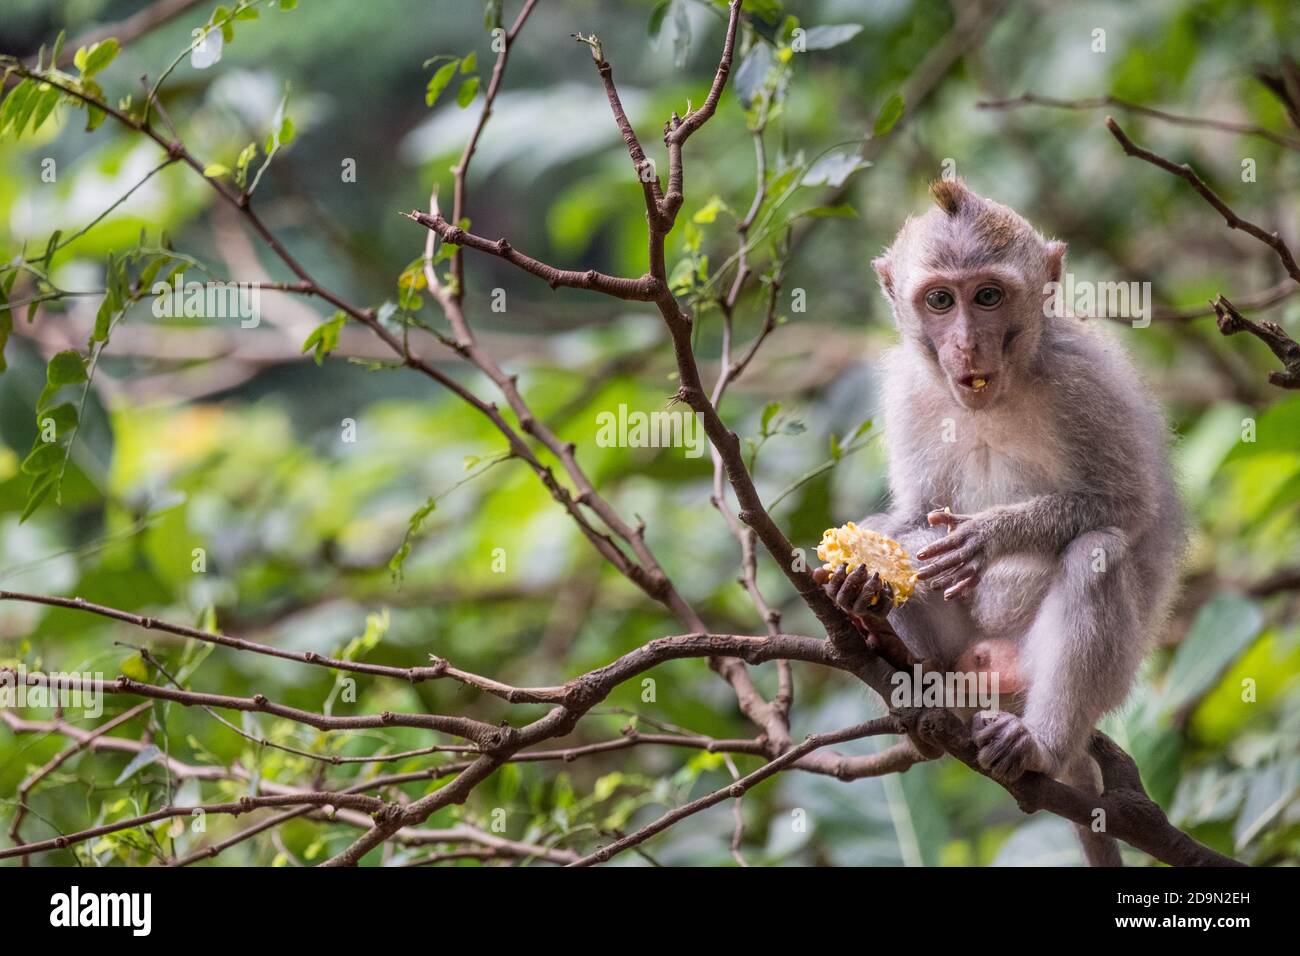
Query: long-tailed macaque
[(1029, 476)]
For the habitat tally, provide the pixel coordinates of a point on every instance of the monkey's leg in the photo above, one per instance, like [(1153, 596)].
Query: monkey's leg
[(1079, 657), (1098, 848)]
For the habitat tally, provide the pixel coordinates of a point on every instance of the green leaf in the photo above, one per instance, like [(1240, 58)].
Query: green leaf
[(286, 133), (64, 418), (14, 104), (66, 368), (833, 169), (830, 35), (438, 82), (215, 170), (709, 212), (413, 526), (39, 491), (1221, 631), (98, 56), (890, 114), (468, 64), (48, 98), (465, 95), (769, 412), (25, 110), (221, 16), (325, 337), (142, 759), (753, 73), (657, 15), (1272, 790), (134, 667), (44, 457)]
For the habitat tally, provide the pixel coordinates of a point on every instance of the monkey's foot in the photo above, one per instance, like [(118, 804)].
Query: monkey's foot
[(1007, 747)]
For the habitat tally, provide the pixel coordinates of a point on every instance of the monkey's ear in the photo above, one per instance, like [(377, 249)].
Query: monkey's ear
[(1055, 259), (882, 267)]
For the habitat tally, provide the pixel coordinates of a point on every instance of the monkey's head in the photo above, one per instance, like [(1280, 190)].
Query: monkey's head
[(966, 282)]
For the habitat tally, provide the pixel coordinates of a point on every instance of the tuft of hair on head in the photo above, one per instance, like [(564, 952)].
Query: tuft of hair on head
[(949, 195)]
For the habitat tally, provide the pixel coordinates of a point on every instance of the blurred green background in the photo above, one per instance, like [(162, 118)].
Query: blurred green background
[(201, 434)]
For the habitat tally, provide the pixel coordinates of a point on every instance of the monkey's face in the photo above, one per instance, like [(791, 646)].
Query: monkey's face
[(979, 326)]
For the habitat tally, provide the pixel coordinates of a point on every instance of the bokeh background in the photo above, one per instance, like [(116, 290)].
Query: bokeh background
[(200, 433)]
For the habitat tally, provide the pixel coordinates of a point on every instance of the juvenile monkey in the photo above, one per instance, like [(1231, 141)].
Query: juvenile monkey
[(1029, 475)]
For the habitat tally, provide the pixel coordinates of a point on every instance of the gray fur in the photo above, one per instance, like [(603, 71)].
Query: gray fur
[(1061, 467)]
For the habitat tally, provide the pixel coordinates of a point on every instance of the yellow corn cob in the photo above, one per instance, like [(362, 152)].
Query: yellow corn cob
[(852, 547)]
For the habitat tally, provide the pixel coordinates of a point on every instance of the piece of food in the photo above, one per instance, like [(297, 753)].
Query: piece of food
[(852, 547)]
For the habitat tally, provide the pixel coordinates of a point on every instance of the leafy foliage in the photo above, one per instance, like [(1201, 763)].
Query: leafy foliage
[(177, 443)]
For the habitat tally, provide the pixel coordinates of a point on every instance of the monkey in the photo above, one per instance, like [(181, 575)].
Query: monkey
[(1030, 477)]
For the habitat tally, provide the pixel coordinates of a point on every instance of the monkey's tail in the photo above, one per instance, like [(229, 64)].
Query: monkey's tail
[(1099, 849)]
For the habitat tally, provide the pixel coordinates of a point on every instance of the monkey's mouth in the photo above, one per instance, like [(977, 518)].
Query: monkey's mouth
[(976, 381)]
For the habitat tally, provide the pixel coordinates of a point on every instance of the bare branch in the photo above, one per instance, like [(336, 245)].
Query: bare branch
[(1100, 102), (643, 289), (881, 725), (1184, 171)]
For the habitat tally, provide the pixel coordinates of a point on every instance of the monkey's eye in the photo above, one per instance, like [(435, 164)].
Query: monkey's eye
[(940, 300), (988, 296)]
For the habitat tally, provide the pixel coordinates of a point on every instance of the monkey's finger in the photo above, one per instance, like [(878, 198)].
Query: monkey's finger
[(832, 586), (852, 587), (874, 597), (950, 578), (1010, 766), (946, 517), (998, 749), (946, 562), (985, 725), (950, 542), (961, 588)]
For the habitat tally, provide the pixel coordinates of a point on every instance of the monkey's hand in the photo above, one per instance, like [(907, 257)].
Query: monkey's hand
[(955, 561), (867, 599), (1008, 749), (862, 594)]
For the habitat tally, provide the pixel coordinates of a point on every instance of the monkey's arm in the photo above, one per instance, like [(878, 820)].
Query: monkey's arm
[(1048, 523), (1044, 524)]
